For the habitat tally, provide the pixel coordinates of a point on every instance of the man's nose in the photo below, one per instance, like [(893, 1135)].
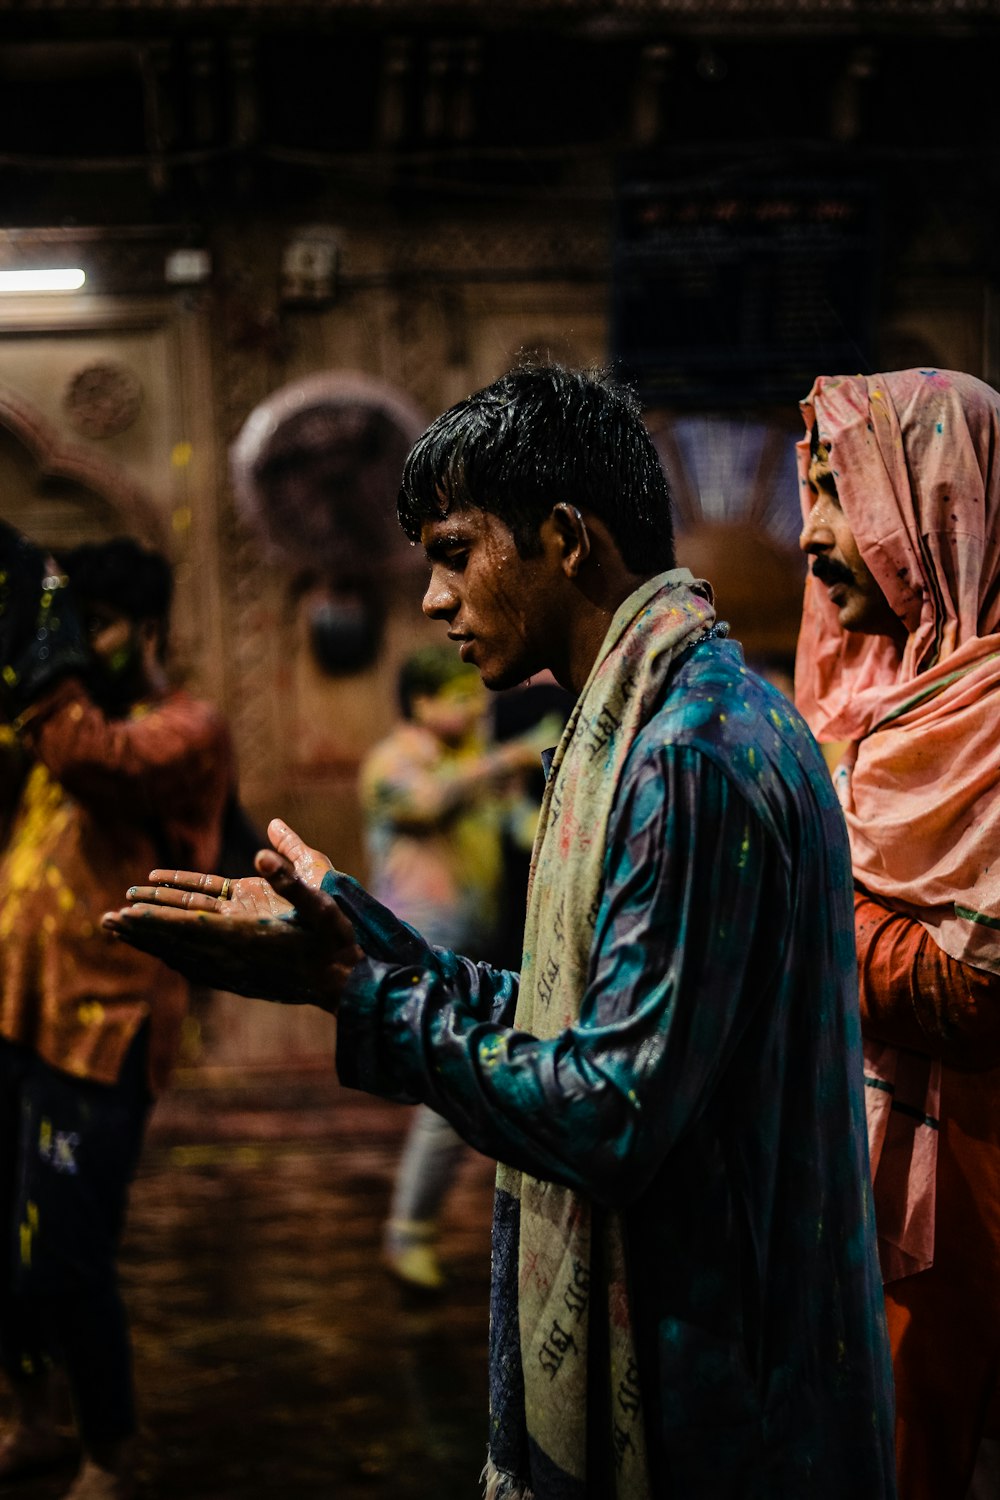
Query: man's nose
[(439, 601), (816, 535)]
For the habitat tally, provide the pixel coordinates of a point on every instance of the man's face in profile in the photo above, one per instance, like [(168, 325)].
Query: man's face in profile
[(836, 557), (499, 607)]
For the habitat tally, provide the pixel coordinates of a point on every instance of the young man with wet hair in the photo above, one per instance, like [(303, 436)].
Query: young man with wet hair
[(685, 1298), (114, 766)]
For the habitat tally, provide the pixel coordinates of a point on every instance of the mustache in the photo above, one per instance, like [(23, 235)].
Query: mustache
[(828, 571)]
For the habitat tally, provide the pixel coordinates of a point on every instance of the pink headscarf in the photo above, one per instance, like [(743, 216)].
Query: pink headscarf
[(916, 461)]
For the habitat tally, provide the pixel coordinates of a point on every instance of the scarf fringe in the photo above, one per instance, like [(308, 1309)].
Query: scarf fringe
[(500, 1486)]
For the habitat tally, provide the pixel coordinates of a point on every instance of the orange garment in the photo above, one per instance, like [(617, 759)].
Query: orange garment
[(103, 802), (944, 1324)]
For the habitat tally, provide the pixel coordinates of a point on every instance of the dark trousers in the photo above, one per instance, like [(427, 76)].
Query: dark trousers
[(68, 1152)]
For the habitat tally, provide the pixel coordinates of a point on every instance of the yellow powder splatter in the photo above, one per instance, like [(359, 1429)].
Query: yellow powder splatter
[(43, 816), (27, 1232)]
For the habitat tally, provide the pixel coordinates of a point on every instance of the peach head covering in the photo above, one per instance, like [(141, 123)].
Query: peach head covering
[(916, 462)]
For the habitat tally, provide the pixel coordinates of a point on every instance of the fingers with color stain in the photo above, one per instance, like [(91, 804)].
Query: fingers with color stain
[(189, 880), (164, 895)]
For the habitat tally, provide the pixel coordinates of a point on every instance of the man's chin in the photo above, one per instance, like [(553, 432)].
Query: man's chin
[(497, 679)]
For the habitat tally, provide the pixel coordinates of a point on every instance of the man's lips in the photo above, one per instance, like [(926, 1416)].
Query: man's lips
[(463, 642)]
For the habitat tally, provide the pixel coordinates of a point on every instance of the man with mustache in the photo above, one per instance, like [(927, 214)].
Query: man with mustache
[(899, 656), (685, 1294)]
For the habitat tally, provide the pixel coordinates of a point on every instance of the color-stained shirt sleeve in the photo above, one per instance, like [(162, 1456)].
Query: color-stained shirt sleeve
[(170, 762), (694, 885), (915, 995)]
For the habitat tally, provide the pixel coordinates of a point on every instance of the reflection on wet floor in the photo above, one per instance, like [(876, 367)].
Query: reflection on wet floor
[(274, 1356)]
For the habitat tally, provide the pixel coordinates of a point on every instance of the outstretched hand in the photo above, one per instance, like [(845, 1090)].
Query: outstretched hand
[(277, 935)]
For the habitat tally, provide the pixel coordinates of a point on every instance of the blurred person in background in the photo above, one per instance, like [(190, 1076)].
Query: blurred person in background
[(899, 655), (107, 766), (441, 804)]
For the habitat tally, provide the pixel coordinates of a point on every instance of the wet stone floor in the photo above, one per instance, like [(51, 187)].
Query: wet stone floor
[(274, 1355)]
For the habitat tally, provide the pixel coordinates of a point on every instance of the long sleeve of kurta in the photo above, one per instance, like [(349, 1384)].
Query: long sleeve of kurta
[(915, 995), (678, 931)]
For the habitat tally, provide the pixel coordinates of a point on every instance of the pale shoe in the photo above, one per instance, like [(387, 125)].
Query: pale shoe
[(97, 1482), (409, 1253)]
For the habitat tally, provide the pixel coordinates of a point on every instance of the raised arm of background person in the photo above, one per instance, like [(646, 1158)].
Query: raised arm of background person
[(419, 790), (684, 947), (915, 995), (170, 759)]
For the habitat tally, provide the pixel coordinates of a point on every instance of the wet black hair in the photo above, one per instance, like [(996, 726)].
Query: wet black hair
[(539, 436), (426, 672), (131, 579)]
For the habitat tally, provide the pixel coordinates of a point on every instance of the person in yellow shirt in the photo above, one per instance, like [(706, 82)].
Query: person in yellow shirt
[(439, 801)]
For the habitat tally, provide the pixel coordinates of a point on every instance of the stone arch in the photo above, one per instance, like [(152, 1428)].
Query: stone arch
[(60, 492), (316, 470)]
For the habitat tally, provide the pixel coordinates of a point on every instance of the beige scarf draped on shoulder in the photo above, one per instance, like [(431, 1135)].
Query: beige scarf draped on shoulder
[(557, 1297)]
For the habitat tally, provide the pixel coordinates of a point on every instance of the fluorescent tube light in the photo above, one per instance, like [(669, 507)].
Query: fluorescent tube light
[(41, 281)]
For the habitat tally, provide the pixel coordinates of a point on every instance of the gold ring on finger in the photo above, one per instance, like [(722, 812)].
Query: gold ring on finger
[(227, 889)]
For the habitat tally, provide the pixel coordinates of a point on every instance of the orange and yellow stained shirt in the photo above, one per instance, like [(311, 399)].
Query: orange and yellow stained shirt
[(103, 801)]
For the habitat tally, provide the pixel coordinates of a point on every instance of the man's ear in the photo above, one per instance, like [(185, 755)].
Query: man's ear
[(572, 535)]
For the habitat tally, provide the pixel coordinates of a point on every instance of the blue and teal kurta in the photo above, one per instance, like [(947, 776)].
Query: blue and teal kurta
[(711, 1091)]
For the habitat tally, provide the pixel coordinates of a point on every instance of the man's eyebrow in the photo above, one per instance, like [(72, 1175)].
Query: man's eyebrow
[(438, 549)]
